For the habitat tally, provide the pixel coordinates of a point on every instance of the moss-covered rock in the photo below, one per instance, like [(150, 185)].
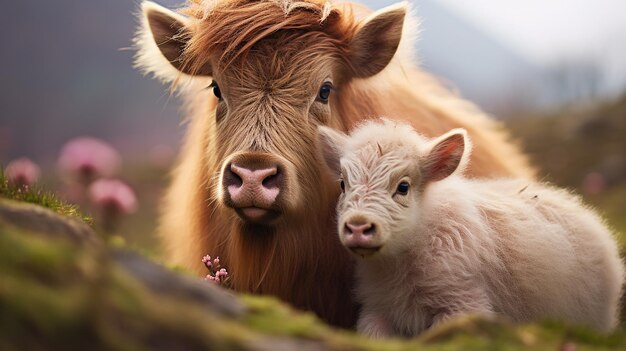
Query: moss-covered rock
[(63, 289), (34, 218)]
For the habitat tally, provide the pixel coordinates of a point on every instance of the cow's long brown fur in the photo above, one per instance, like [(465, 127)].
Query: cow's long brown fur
[(299, 260)]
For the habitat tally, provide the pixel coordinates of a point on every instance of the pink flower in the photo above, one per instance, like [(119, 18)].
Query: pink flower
[(112, 195), (112, 198), (207, 261), (217, 274), (22, 172), (221, 273), (87, 158)]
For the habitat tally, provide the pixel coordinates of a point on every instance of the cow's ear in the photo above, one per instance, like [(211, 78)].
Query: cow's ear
[(331, 145), (377, 40), (161, 40), (448, 153)]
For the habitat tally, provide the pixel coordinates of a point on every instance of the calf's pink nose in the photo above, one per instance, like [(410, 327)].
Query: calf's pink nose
[(360, 229)]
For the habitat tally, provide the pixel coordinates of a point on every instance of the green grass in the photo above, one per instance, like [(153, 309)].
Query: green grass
[(37, 196)]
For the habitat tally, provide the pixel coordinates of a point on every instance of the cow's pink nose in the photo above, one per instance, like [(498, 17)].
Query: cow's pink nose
[(252, 187), (360, 229)]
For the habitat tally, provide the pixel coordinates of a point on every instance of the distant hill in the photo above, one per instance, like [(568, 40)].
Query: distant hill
[(483, 69), (467, 59)]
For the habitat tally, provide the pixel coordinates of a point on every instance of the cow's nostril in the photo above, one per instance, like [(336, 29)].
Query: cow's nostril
[(231, 178), (371, 230), (273, 180)]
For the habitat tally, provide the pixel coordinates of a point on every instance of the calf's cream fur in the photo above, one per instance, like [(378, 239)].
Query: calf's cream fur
[(433, 244)]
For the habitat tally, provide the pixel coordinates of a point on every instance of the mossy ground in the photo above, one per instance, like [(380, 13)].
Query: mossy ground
[(55, 295), (466, 333)]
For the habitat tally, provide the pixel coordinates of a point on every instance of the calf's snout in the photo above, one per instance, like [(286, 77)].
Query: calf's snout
[(360, 229), (359, 236)]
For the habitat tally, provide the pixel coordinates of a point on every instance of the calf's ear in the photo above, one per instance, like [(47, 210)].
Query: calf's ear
[(445, 156), (331, 144), (377, 41), (160, 42)]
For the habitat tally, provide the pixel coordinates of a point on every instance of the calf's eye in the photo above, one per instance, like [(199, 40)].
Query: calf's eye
[(324, 92), (403, 188), (343, 186)]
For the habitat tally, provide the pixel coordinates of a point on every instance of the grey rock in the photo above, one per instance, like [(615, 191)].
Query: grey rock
[(163, 281), (38, 219)]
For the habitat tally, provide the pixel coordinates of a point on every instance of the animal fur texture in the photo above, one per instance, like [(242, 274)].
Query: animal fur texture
[(450, 245), (268, 61)]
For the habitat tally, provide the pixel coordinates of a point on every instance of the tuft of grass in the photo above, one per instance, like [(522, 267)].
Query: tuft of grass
[(37, 196)]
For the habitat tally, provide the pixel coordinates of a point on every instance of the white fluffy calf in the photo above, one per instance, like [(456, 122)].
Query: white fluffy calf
[(433, 244)]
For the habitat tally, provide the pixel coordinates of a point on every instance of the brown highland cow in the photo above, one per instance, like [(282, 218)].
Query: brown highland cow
[(259, 76)]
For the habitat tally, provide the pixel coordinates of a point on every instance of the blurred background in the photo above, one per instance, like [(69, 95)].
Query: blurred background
[(553, 71)]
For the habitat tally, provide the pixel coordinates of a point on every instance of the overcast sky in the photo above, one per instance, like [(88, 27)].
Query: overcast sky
[(547, 31)]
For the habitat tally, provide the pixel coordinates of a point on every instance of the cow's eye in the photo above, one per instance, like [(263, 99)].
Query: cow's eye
[(216, 90), (403, 188), (343, 186), (324, 93)]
